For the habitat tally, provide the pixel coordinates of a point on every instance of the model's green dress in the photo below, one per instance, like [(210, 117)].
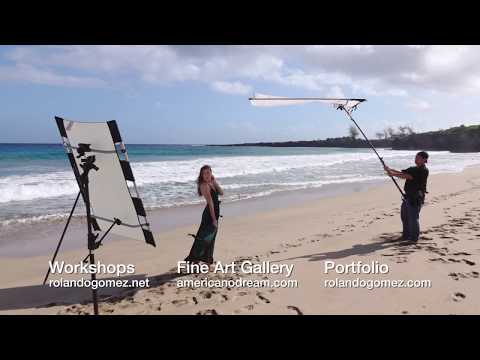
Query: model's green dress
[(202, 248)]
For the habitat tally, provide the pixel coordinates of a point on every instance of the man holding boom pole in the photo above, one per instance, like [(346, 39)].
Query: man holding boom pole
[(415, 190), (416, 176)]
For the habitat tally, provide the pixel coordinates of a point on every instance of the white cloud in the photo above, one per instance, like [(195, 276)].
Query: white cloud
[(418, 104), (336, 92), (233, 88), (359, 70), (28, 73)]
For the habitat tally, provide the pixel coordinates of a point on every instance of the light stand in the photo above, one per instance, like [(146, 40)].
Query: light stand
[(87, 164), (109, 199), (61, 237)]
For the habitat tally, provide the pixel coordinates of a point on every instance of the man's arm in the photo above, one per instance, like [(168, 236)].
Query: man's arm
[(399, 174)]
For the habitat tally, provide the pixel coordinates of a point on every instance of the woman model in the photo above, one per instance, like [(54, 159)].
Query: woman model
[(202, 248)]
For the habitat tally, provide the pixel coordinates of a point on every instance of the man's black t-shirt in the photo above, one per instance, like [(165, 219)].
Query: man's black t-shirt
[(418, 183)]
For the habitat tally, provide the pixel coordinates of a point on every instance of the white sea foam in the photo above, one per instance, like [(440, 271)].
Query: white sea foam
[(36, 186), (169, 183), (159, 172), (304, 184), (33, 219)]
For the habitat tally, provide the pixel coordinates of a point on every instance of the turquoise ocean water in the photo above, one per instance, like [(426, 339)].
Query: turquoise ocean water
[(37, 184)]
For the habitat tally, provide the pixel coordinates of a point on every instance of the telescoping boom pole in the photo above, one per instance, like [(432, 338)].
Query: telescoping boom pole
[(347, 105), (340, 107)]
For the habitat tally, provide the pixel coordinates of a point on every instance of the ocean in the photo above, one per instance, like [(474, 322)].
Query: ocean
[(38, 186)]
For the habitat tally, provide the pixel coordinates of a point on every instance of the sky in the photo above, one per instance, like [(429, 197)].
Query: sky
[(198, 94)]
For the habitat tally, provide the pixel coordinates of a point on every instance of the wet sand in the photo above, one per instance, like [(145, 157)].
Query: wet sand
[(22, 240)]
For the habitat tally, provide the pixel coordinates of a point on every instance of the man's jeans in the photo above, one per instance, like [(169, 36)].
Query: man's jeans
[(410, 215)]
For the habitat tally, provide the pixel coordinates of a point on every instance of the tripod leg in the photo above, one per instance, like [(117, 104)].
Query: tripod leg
[(94, 291), (61, 238)]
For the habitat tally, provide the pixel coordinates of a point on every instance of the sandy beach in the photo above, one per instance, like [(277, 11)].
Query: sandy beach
[(360, 226)]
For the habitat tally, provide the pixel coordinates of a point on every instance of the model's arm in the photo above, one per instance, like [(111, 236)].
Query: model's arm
[(399, 174), (217, 186), (205, 189)]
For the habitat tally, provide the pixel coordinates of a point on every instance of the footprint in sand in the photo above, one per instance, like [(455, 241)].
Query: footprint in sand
[(292, 245), (206, 294), (296, 309), (207, 312), (406, 251), (263, 298), (458, 276), (458, 296), (180, 302)]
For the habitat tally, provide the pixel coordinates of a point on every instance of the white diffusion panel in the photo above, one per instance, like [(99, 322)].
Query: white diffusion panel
[(109, 194), (271, 101)]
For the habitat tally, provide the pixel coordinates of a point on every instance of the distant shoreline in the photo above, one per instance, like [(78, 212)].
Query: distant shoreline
[(460, 139)]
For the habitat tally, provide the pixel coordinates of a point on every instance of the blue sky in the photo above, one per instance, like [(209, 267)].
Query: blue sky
[(199, 94)]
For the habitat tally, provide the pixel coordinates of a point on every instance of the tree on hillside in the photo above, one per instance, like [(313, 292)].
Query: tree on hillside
[(405, 130), (402, 130), (380, 135), (353, 132), (390, 132)]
